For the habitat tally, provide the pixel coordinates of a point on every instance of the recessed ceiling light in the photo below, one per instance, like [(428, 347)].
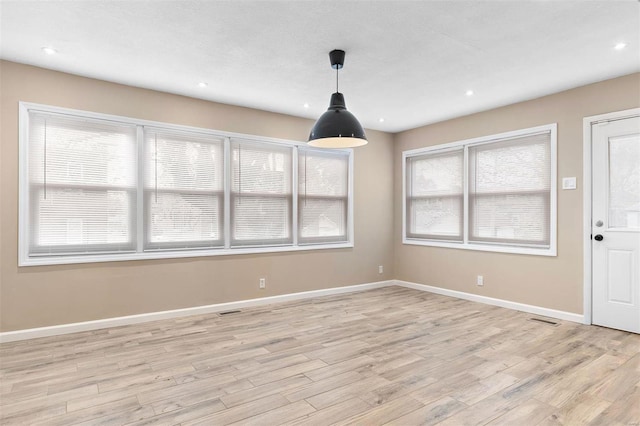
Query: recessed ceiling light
[(203, 84), (469, 93), (620, 46), (49, 50), (306, 105), (381, 120)]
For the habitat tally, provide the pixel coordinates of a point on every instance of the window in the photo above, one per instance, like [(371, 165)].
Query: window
[(435, 195), (509, 191), (97, 188), (495, 193), (323, 188), (261, 194), (183, 190), (82, 185)]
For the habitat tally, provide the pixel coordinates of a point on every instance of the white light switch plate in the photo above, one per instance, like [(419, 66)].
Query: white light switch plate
[(569, 183)]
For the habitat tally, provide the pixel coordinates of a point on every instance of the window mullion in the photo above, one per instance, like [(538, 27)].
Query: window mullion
[(465, 198), (140, 206), (350, 194), (294, 195), (227, 193)]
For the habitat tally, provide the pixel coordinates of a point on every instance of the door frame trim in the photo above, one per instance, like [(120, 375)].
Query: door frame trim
[(587, 199)]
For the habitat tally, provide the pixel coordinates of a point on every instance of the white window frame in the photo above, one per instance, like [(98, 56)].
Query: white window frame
[(551, 250), (319, 240), (146, 195), (236, 243), (140, 254)]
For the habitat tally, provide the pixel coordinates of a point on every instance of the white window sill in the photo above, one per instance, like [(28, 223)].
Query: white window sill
[(542, 251), (93, 258)]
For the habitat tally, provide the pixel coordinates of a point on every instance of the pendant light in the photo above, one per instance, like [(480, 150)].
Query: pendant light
[(337, 127)]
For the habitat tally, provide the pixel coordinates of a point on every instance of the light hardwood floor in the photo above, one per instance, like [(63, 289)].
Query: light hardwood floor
[(391, 355)]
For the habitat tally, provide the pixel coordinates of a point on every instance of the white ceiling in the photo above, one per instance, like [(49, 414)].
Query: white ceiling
[(410, 62)]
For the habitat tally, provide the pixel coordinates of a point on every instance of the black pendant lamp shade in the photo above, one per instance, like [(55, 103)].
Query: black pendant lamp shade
[(337, 127)]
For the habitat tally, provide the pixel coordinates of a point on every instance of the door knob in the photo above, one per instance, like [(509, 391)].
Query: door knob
[(598, 237)]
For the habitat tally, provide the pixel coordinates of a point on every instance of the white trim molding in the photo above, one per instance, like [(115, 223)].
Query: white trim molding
[(56, 330), (532, 309), (587, 125)]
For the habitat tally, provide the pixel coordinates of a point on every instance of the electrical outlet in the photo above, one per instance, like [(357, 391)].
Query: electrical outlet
[(380, 269), (480, 280), (263, 283)]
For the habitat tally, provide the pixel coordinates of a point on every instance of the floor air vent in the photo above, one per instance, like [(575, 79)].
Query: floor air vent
[(228, 312), (544, 321)]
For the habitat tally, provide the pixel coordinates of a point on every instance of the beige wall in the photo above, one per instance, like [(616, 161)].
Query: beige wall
[(50, 295), (551, 282)]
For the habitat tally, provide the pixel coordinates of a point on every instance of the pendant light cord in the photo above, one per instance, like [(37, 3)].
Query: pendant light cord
[(337, 87)]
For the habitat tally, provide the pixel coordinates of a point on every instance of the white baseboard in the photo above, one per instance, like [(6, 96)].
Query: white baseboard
[(33, 333), (538, 310)]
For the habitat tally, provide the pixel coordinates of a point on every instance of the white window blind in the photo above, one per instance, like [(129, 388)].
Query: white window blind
[(434, 189), (183, 190), (323, 196), (492, 193), (82, 185), (100, 188), (510, 191), (261, 194)]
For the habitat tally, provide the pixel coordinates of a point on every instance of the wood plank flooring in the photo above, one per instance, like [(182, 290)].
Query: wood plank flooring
[(387, 356)]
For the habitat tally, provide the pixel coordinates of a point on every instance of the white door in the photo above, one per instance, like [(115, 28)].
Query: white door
[(616, 224)]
